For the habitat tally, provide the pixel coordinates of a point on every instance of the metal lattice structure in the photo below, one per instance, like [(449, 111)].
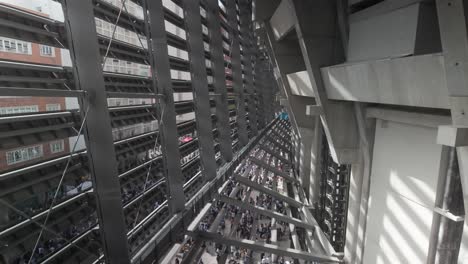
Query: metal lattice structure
[(143, 149), (334, 191)]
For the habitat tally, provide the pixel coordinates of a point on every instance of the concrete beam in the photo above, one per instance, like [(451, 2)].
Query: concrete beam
[(286, 56), (279, 144), (220, 216), (281, 133), (321, 237), (320, 43), (420, 119), (196, 222), (264, 247), (417, 81), (263, 211), (264, 9), (265, 190), (402, 30), (282, 21), (452, 136), (267, 167), (273, 153), (314, 110)]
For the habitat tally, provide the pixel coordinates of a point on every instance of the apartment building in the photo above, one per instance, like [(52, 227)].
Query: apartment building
[(27, 52)]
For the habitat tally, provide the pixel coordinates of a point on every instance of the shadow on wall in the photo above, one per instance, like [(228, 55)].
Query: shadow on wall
[(402, 195)]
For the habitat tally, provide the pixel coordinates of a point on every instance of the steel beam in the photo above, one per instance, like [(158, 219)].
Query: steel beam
[(277, 143), (214, 225), (285, 137), (265, 247), (237, 73), (263, 189), (446, 233), (268, 167), (260, 90), (193, 227), (324, 242), (246, 29), (282, 20), (98, 131), (287, 58), (266, 212), (317, 29), (273, 153), (193, 27), (219, 79), (280, 131), (168, 128)]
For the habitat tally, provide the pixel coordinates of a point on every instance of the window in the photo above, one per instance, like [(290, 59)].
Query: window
[(47, 51), (52, 107), (18, 109), (15, 46), (56, 146), (24, 154)]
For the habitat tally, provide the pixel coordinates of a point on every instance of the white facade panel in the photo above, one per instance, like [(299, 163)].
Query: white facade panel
[(411, 81), (389, 35), (403, 187)]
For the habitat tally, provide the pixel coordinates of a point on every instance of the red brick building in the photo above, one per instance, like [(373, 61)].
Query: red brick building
[(22, 51)]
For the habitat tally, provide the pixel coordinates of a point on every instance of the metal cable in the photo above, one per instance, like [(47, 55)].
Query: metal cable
[(149, 167), (60, 184), (113, 34), (2, 201), (134, 29), (160, 123)]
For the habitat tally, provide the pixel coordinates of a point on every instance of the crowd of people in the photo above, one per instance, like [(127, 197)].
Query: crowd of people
[(244, 227), (50, 245), (244, 223), (43, 201), (131, 191), (239, 255), (206, 222)]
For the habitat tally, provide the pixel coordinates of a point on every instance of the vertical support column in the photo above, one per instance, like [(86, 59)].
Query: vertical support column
[(307, 137), (259, 87), (246, 33), (319, 43), (219, 79), (98, 132), (237, 73), (446, 234), (454, 38), (268, 95), (261, 82), (314, 189), (360, 179), (168, 128), (296, 150), (193, 26)]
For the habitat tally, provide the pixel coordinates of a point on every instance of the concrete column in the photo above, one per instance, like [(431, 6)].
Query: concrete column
[(316, 149), (446, 233), (358, 202), (462, 153), (297, 152), (453, 34), (307, 138)]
